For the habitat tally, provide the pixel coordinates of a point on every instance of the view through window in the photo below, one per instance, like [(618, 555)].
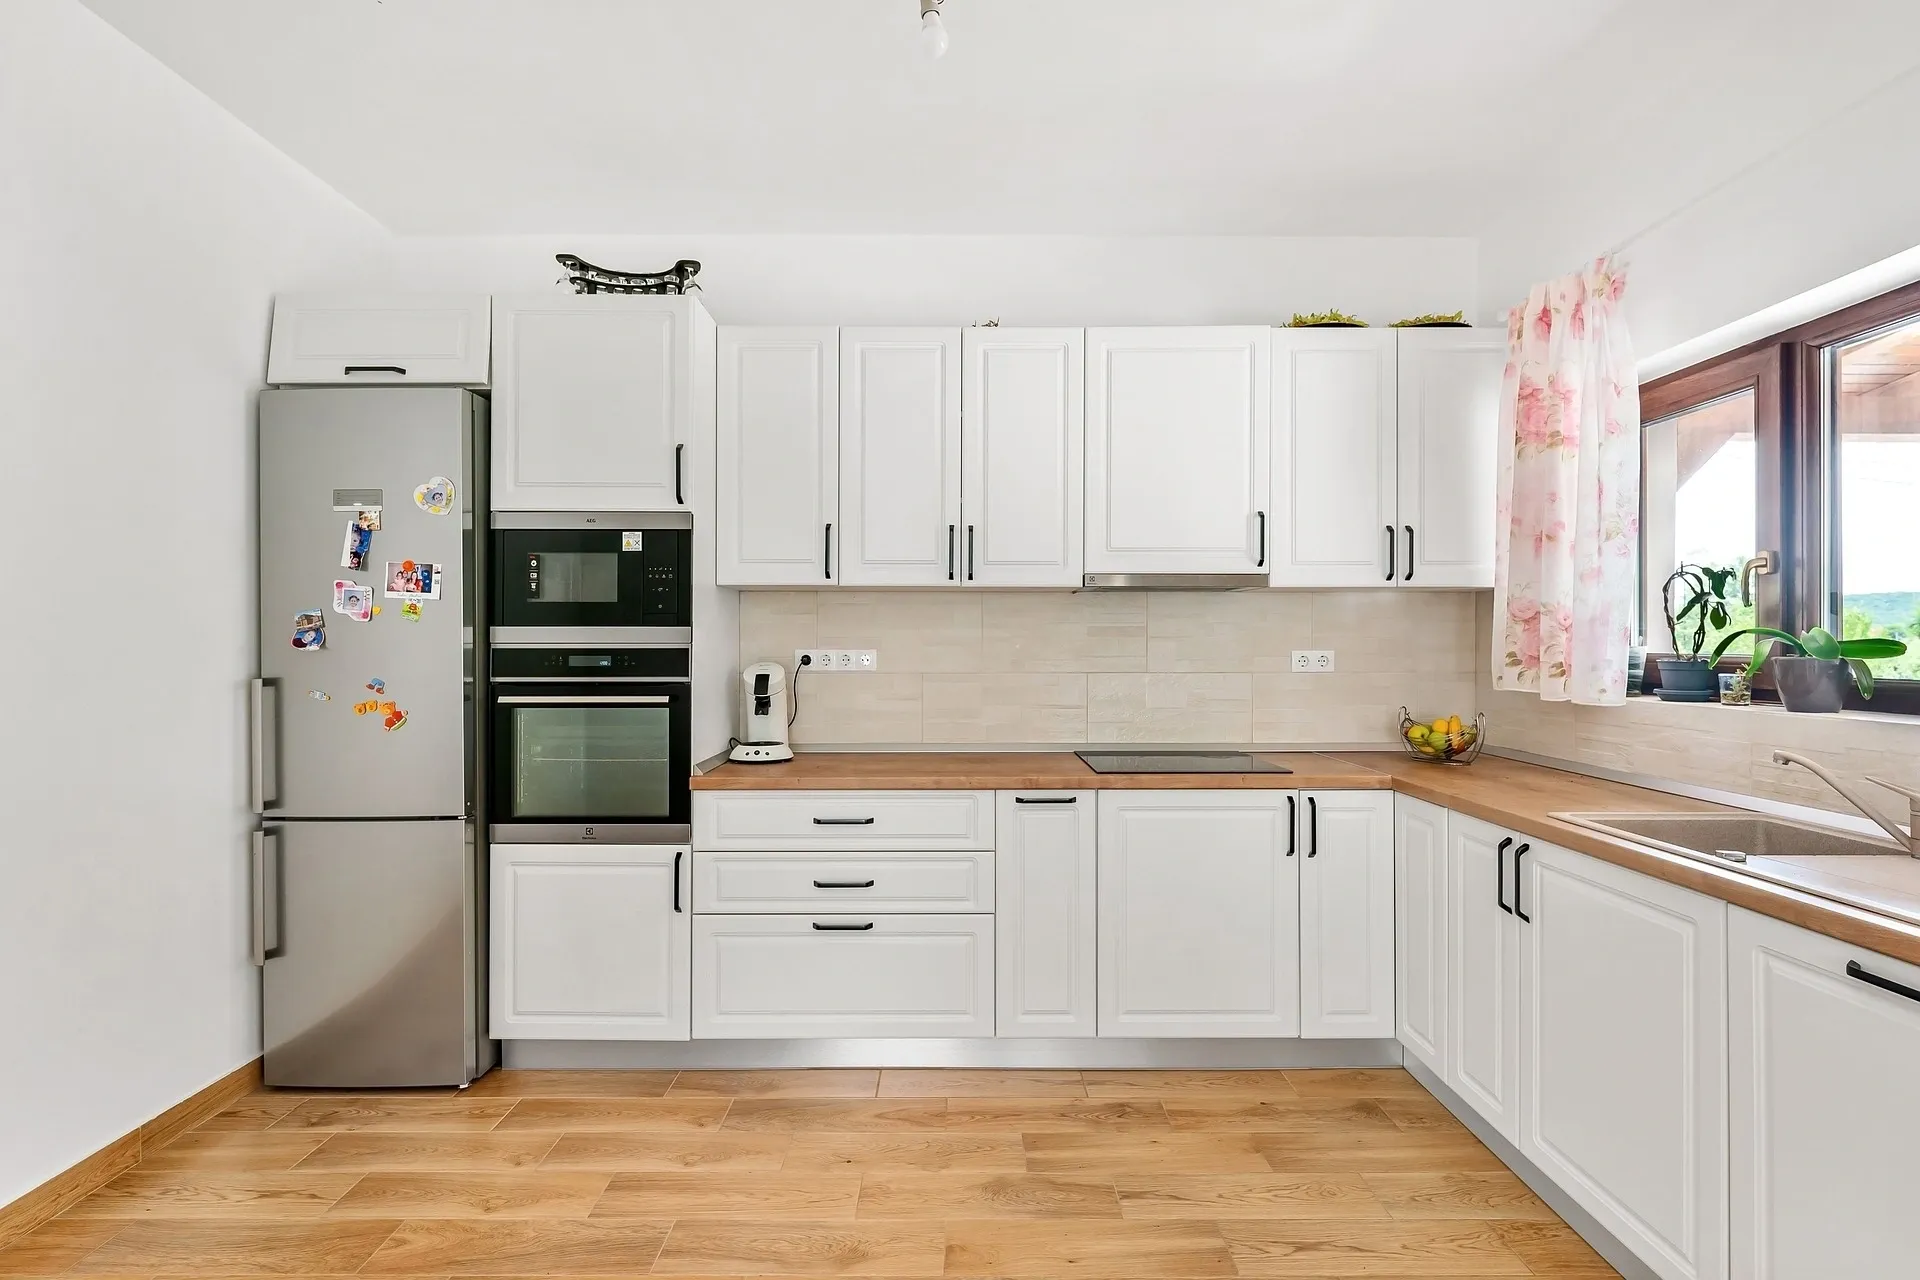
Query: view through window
[(1698, 506), (1873, 443)]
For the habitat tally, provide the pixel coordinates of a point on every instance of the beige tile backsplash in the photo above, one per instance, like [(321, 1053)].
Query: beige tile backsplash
[(1705, 744), (1037, 667)]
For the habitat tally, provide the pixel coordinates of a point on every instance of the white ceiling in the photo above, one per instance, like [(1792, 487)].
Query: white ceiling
[(1304, 117)]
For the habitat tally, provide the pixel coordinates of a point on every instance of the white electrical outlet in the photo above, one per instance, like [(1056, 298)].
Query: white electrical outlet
[(1312, 661), (836, 660), (866, 659)]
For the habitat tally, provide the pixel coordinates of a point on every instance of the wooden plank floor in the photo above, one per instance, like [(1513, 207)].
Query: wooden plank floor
[(1115, 1174)]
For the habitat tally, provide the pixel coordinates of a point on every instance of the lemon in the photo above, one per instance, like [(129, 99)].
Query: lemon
[(1440, 726)]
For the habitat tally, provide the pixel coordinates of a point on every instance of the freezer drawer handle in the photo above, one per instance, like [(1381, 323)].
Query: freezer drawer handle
[(843, 928), (843, 822), (374, 368), (263, 764), (265, 922), (843, 884), (1871, 979), (530, 700)]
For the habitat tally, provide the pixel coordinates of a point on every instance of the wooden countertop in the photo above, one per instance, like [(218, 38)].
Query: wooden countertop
[(1508, 793)]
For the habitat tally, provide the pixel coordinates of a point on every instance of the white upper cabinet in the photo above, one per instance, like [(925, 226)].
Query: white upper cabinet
[(593, 402), (1177, 440), (1483, 972), (1346, 916), (1420, 942), (1199, 917), (422, 338), (1449, 414), (1044, 912), (1623, 1052), (1333, 457), (1021, 463), (899, 457), (1825, 1116), (779, 456)]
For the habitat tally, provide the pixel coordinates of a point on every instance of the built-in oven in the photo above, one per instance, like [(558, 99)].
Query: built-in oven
[(591, 743), (592, 577)]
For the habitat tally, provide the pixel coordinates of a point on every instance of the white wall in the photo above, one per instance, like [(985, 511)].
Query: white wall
[(142, 233)]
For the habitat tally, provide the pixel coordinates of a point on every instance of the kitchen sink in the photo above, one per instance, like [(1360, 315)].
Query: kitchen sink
[(1731, 837)]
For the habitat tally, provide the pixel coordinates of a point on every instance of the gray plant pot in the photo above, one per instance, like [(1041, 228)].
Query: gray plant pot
[(1687, 680), (1812, 684)]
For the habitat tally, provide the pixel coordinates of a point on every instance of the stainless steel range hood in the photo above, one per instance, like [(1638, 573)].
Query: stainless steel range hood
[(1173, 581)]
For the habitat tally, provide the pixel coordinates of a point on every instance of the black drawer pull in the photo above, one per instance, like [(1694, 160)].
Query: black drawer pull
[(1500, 875), (843, 822), (679, 496), (843, 928), (1045, 799), (1313, 827), (1518, 854), (1293, 828), (843, 884), (374, 368), (677, 855), (1885, 984)]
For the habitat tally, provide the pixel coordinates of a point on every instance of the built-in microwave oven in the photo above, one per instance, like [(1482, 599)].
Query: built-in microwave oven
[(592, 577)]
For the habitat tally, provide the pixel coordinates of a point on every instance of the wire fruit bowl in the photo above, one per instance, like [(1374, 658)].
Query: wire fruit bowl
[(1448, 740)]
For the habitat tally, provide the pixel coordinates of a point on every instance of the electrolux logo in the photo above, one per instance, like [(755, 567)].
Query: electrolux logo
[(586, 833)]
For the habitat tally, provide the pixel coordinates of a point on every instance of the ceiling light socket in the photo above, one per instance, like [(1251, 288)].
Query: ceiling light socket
[(933, 33)]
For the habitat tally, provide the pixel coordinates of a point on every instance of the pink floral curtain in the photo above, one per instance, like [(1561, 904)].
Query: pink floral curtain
[(1567, 534)]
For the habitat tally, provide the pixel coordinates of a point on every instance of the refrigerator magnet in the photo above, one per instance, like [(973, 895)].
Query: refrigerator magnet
[(319, 696), (377, 685), (410, 610), (395, 718), (309, 629), (353, 553), (353, 599), (435, 497), (413, 580)]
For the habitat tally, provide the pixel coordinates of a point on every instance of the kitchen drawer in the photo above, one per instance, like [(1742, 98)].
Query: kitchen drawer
[(802, 976), (725, 882), (358, 339), (843, 821)]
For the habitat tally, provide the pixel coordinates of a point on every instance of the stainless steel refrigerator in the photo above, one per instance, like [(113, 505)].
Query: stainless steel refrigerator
[(369, 912)]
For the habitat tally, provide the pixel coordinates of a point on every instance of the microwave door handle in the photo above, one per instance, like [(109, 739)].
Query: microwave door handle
[(584, 700)]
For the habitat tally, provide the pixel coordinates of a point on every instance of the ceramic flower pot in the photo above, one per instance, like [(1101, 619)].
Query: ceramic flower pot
[(1687, 680), (1812, 684)]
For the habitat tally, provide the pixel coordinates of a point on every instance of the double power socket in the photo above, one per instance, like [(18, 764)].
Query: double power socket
[(858, 660)]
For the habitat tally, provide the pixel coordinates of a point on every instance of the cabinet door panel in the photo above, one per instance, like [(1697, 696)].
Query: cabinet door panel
[(364, 339), (1177, 424), (1333, 457), (779, 455), (900, 456), (1623, 1054), (1346, 916), (1824, 1114), (1420, 950), (1449, 412), (1044, 913), (587, 945), (1199, 914), (1021, 460), (1483, 973)]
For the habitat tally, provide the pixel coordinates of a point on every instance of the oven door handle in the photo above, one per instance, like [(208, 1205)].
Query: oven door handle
[(584, 700)]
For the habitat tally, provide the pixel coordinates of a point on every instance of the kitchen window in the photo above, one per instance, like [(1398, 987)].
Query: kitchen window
[(1800, 456)]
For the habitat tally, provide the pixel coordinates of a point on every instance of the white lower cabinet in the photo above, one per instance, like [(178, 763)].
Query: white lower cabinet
[(1623, 1053), (589, 942), (785, 977), (1346, 916), (1199, 914), (1420, 930), (1483, 973), (1044, 916), (1825, 1115)]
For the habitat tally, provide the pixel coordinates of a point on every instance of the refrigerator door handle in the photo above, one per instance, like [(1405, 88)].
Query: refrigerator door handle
[(266, 896), (263, 732)]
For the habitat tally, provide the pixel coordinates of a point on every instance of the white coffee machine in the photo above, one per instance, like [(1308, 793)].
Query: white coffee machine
[(763, 716)]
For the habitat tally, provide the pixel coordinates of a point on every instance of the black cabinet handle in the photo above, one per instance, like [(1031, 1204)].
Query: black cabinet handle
[(1885, 984), (1409, 569), (843, 822), (969, 553), (1392, 543), (1313, 827), (1500, 876), (950, 529), (678, 495), (843, 928), (843, 884), (828, 575), (374, 368), (1293, 828), (1046, 799), (1261, 563), (677, 855), (1518, 854)]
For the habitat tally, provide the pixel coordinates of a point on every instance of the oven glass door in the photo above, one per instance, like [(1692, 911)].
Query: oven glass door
[(592, 577), (592, 753)]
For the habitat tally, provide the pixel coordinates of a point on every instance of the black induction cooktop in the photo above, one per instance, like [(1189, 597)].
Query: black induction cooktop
[(1178, 762)]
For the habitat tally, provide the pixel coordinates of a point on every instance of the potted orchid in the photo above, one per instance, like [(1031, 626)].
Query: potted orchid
[(1814, 674), (1686, 676)]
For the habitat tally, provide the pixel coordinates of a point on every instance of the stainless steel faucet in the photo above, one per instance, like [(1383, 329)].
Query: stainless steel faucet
[(1907, 837)]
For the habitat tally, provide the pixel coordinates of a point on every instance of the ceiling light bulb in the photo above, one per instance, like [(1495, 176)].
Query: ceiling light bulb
[(933, 34)]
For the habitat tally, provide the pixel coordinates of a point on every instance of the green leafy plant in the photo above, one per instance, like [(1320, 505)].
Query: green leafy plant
[(1704, 606), (1325, 320), (1818, 642), (1431, 318)]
